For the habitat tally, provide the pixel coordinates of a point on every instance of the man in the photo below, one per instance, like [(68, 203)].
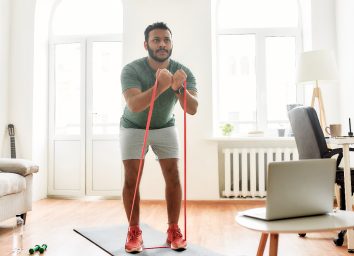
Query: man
[(138, 79)]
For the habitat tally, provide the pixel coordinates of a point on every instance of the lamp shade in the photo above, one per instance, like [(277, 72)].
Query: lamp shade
[(316, 65)]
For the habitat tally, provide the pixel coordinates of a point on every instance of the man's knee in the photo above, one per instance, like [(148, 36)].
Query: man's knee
[(131, 173), (173, 179), (130, 180), (175, 183), (129, 184)]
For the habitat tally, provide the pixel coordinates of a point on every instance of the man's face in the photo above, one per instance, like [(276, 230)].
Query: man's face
[(159, 45)]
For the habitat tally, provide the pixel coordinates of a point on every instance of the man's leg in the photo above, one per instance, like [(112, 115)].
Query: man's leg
[(131, 168), (134, 241), (173, 195), (173, 190)]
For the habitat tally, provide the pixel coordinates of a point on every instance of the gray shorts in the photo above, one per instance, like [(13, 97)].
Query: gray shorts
[(164, 142)]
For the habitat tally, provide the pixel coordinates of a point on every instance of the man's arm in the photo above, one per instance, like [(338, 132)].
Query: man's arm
[(138, 101), (192, 101)]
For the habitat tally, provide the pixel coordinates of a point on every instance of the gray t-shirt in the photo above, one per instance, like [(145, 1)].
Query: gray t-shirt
[(138, 74)]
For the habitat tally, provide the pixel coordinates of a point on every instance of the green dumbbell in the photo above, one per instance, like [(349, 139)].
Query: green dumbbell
[(34, 249), (43, 248)]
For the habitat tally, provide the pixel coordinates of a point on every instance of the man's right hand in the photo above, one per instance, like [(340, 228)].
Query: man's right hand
[(164, 79)]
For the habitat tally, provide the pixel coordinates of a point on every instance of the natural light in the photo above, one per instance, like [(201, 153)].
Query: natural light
[(237, 74), (257, 13), (77, 17), (87, 53), (256, 48)]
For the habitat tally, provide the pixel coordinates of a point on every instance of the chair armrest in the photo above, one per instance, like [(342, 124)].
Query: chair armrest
[(20, 166), (335, 151)]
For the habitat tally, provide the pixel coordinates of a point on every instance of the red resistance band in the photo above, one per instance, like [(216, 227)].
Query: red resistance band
[(146, 135)]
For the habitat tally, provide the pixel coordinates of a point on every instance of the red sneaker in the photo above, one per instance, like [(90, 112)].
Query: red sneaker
[(134, 243), (175, 238)]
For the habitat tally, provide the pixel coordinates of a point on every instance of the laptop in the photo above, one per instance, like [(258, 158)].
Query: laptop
[(298, 189)]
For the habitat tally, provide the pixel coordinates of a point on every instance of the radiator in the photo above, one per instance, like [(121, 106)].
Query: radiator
[(246, 169)]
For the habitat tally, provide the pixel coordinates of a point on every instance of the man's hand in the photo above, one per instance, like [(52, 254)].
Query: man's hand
[(164, 79), (178, 79)]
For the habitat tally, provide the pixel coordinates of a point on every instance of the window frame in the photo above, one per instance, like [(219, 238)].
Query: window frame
[(260, 34), (86, 42)]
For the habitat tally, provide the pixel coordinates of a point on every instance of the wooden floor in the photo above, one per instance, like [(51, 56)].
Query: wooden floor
[(210, 224)]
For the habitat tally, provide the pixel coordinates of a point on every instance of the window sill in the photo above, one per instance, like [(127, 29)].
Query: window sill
[(250, 138)]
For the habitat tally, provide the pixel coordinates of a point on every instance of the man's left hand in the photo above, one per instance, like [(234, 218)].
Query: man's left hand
[(178, 79)]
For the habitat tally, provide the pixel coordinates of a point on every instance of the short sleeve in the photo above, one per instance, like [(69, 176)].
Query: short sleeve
[(129, 78)]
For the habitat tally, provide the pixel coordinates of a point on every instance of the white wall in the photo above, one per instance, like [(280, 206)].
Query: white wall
[(21, 90), (40, 122), (16, 87), (324, 37), (345, 44), (319, 32), (4, 74), (21, 74)]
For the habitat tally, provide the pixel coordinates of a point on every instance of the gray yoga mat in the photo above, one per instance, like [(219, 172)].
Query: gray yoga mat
[(111, 239)]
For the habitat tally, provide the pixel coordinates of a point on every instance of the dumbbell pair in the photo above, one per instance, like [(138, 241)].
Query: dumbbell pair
[(37, 248)]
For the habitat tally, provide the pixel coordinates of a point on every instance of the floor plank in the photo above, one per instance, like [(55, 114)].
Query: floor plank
[(210, 224)]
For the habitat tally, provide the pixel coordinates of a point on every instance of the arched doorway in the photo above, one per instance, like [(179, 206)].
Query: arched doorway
[(85, 52)]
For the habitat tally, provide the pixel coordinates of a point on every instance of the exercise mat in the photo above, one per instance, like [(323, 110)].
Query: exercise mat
[(111, 239)]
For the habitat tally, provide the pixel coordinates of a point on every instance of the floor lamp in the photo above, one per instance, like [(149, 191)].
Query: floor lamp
[(315, 66)]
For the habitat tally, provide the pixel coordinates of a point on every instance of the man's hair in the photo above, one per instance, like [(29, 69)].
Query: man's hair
[(156, 25)]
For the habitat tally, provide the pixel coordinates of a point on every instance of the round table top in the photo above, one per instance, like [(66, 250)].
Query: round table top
[(338, 220)]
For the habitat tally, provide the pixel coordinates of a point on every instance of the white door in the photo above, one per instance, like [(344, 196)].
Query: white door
[(85, 107), (103, 162)]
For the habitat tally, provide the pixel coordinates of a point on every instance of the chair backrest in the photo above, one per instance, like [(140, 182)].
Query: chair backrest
[(309, 137)]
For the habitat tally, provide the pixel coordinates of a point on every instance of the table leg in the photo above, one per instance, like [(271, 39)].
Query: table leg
[(262, 244), (348, 193), (273, 247)]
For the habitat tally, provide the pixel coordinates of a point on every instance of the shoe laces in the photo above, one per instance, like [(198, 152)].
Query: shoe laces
[(133, 234), (176, 233)]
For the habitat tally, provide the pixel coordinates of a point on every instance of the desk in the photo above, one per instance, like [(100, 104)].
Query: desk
[(345, 142), (338, 220)]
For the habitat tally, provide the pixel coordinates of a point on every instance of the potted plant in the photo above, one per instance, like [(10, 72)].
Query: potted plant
[(227, 129)]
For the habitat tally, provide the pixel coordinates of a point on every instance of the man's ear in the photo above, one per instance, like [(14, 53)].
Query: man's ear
[(145, 45)]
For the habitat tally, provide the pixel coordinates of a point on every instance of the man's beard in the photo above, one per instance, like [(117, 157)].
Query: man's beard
[(155, 57)]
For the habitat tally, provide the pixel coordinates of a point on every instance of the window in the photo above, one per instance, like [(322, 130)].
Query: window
[(86, 49), (256, 46)]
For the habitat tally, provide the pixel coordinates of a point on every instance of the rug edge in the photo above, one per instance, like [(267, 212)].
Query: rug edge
[(93, 242)]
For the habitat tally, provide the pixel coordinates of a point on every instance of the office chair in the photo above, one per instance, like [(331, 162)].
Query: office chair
[(311, 143)]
